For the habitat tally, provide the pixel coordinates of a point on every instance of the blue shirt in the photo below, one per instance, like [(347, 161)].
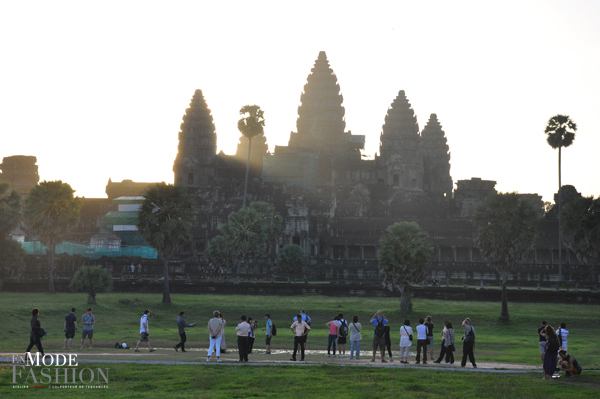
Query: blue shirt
[(304, 318), (374, 321), (181, 324), (268, 325), (85, 318)]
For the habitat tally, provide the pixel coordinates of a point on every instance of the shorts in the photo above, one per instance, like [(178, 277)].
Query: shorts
[(268, 340), (144, 337), (89, 333), (379, 342), (564, 347), (341, 340), (70, 334), (542, 347), (430, 339)]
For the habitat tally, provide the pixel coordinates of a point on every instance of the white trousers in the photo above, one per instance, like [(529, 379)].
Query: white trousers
[(214, 343), (404, 350)]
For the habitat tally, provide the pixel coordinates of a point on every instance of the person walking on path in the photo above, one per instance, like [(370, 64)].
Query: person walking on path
[(355, 337), (569, 364), (443, 348), (182, 324), (36, 333), (342, 335), (69, 327), (333, 326), (215, 331), (242, 330), (223, 344), (269, 332), (422, 341), (430, 326), (406, 334), (88, 320), (468, 343), (542, 341), (449, 343), (300, 329), (551, 355), (144, 332), (379, 321), (562, 333)]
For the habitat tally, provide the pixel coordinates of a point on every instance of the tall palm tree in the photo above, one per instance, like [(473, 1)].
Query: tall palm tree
[(506, 232), (50, 213), (251, 126), (165, 221), (561, 133)]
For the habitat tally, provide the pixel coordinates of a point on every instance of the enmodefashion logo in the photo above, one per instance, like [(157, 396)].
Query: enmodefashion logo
[(55, 371)]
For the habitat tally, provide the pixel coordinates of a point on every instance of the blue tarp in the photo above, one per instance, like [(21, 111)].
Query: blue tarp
[(36, 248)]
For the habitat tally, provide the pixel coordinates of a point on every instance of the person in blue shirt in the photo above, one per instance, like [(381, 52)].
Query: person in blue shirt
[(182, 324), (268, 325), (379, 321)]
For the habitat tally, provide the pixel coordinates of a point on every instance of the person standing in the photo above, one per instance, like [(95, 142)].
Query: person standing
[(550, 357), (562, 333), (215, 331), (144, 332), (268, 328), (443, 348), (139, 269), (242, 335), (388, 341), (36, 333), (223, 344), (448, 343), (379, 321), (355, 337), (182, 324), (69, 327), (333, 326), (300, 329), (422, 341), (305, 318), (251, 335), (542, 341), (406, 334), (469, 343), (132, 268), (430, 326), (88, 320), (342, 335)]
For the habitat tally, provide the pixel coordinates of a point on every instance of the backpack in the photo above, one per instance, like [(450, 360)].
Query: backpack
[(273, 329), (343, 330), (470, 337), (552, 345), (559, 335), (379, 330)]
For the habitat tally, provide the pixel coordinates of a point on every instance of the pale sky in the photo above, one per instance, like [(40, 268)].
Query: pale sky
[(97, 90)]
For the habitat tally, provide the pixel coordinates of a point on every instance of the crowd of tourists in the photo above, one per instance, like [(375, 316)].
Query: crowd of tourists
[(552, 343)]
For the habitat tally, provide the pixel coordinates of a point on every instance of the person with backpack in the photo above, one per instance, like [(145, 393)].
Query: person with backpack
[(468, 343), (422, 341), (552, 347), (406, 337), (430, 326), (562, 333), (379, 321), (270, 329), (333, 326), (342, 336), (355, 337)]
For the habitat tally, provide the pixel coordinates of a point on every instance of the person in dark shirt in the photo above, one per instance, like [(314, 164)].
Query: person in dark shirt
[(182, 324), (70, 327), (542, 340), (36, 333), (430, 326)]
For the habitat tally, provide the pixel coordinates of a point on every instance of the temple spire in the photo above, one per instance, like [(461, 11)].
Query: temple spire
[(436, 158), (400, 132)]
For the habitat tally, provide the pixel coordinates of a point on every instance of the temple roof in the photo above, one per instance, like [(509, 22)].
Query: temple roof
[(400, 130)]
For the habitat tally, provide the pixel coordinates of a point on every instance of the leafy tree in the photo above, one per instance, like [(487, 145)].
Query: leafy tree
[(251, 126), (560, 130), (218, 252), (10, 209), (581, 229), (50, 213), (12, 256), (292, 259), (165, 221), (506, 233), (248, 233), (405, 252), (92, 279)]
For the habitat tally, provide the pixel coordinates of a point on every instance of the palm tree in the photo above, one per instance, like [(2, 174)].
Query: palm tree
[(251, 126), (50, 213), (165, 221), (506, 233), (561, 133), (405, 251)]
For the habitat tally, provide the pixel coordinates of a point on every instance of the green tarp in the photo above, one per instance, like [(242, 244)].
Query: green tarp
[(113, 218), (36, 248)]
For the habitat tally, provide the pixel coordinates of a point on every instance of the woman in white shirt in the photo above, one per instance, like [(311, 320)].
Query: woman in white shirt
[(562, 334), (355, 337), (405, 342)]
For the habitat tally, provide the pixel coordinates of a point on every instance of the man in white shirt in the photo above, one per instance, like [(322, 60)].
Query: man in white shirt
[(242, 335), (300, 329), (144, 332), (422, 341), (562, 334)]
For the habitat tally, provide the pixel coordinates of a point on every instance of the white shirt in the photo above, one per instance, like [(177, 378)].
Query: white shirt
[(405, 331), (143, 320), (563, 333), (355, 329), (422, 331)]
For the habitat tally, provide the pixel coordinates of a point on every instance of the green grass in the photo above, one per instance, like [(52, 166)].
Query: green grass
[(118, 315), (224, 381)]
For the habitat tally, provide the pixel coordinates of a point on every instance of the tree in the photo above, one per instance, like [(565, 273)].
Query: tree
[(506, 232), (50, 213), (92, 279), (581, 229), (292, 259), (12, 254), (405, 252), (165, 221), (251, 126), (248, 233), (561, 133)]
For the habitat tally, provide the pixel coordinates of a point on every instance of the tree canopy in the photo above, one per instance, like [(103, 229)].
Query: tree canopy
[(10, 209), (581, 228), (251, 126), (92, 279), (404, 253), (560, 130), (292, 259), (506, 233)]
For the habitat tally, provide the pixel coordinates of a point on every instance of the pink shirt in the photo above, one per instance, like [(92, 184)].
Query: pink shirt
[(333, 327)]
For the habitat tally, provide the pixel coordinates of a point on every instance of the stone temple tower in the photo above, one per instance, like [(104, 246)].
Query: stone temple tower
[(193, 165), (436, 159), (400, 163)]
